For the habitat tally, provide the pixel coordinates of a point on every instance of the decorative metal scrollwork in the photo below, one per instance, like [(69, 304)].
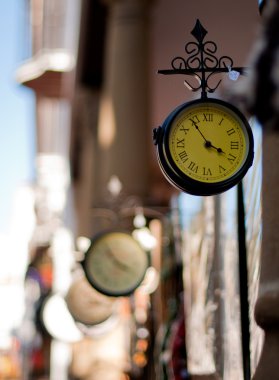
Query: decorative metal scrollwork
[(201, 62)]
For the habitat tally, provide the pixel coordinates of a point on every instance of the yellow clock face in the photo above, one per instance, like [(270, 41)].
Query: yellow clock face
[(115, 263), (208, 142), (204, 147)]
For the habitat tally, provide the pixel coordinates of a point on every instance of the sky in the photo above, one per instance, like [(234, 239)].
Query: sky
[(17, 116)]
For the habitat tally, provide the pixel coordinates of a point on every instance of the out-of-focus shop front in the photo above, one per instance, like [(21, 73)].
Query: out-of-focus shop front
[(123, 276)]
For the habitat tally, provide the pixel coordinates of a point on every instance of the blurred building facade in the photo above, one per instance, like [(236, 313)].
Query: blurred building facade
[(93, 69)]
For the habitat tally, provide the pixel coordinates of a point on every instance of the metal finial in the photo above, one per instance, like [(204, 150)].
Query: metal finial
[(199, 32)]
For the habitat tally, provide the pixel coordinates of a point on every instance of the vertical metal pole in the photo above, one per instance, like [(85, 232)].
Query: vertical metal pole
[(243, 284), (219, 287)]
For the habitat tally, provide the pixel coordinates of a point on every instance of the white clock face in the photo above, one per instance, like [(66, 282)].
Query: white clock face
[(115, 264)]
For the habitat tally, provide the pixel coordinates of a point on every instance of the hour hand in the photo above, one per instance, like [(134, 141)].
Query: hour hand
[(208, 144)]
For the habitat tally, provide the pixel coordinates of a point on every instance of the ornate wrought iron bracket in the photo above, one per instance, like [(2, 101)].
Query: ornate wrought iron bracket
[(202, 63)]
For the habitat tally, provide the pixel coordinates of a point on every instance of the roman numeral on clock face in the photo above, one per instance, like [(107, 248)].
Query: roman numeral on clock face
[(234, 144), (193, 166), (180, 143), (195, 120), (183, 156), (221, 169), (231, 158), (230, 132), (185, 130), (207, 117), (207, 171)]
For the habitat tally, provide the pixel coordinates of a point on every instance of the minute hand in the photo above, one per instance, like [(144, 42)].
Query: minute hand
[(197, 128), (208, 144)]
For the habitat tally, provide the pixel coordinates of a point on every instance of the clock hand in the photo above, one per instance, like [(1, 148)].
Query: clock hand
[(197, 128), (208, 144)]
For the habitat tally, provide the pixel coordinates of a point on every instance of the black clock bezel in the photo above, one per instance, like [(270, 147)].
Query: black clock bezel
[(90, 278), (179, 179)]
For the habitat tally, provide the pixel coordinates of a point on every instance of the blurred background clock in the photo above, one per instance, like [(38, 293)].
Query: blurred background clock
[(115, 263), (87, 305)]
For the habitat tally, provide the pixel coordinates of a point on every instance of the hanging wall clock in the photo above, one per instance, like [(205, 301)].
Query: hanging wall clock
[(204, 147), (115, 263)]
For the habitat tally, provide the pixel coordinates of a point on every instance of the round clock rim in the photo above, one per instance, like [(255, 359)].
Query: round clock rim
[(179, 179), (95, 284)]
